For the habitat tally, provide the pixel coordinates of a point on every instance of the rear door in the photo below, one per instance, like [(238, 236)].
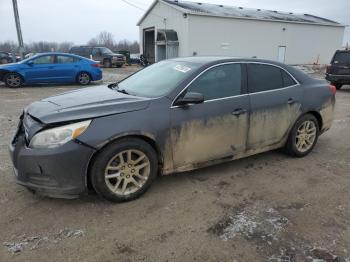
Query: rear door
[(275, 100), (341, 63), (67, 68), (216, 128), (41, 70)]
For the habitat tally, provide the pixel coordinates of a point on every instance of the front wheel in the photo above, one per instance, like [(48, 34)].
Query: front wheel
[(83, 78), (124, 170), (13, 80), (303, 136)]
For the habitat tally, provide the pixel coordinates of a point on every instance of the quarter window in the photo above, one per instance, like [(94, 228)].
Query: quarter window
[(46, 59), (219, 82), (287, 80), (264, 78)]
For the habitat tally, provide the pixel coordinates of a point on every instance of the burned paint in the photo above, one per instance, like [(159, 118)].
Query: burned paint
[(204, 140), (327, 113), (269, 127)]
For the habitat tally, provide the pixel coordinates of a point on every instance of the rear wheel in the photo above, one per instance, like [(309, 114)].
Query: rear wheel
[(83, 78), (303, 136), (124, 170), (13, 80)]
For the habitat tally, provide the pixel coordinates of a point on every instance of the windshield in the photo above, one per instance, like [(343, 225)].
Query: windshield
[(158, 79), (105, 50), (28, 59)]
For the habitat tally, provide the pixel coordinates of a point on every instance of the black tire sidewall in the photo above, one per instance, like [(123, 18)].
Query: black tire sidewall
[(5, 80), (99, 164), (291, 146)]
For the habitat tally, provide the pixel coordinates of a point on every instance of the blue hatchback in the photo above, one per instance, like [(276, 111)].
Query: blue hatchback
[(51, 68)]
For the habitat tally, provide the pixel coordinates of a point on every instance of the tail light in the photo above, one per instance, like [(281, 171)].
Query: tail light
[(333, 89), (95, 65), (328, 69)]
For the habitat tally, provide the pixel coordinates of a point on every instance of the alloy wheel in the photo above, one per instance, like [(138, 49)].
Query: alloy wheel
[(127, 172), (306, 136), (13, 80), (84, 78)]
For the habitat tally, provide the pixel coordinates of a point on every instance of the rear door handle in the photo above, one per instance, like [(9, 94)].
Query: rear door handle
[(239, 111), (291, 101)]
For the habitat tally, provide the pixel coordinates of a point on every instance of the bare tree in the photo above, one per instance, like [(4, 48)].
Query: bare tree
[(106, 39)]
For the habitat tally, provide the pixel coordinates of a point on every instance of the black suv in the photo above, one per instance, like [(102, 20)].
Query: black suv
[(338, 72), (102, 54)]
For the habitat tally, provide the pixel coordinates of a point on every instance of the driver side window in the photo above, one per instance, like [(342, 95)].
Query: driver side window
[(219, 82), (46, 59)]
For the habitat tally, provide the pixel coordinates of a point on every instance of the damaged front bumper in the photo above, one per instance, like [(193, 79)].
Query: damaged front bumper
[(57, 172)]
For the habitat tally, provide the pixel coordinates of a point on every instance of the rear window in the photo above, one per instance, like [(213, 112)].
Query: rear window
[(342, 58)]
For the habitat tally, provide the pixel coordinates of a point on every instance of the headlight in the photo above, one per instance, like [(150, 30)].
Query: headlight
[(58, 136)]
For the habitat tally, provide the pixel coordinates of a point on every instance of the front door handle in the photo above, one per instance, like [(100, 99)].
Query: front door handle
[(291, 101), (239, 111)]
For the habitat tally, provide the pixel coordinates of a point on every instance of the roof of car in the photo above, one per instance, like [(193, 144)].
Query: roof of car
[(220, 59)]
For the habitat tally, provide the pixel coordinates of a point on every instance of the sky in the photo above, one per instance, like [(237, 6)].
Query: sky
[(78, 21)]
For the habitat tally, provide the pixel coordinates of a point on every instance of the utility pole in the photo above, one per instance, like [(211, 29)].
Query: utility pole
[(18, 28)]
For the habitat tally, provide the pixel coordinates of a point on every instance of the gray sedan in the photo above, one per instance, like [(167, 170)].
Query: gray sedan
[(173, 116)]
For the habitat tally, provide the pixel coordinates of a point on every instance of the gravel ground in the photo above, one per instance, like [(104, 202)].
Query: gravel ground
[(268, 207)]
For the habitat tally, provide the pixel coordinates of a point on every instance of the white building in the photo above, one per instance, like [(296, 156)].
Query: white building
[(173, 28)]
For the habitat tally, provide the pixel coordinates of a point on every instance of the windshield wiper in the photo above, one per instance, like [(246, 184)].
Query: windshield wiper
[(115, 87), (123, 91)]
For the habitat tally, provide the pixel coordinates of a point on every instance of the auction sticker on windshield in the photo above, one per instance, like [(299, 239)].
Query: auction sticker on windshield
[(181, 68)]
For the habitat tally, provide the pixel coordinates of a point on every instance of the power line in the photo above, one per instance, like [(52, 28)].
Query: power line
[(140, 8)]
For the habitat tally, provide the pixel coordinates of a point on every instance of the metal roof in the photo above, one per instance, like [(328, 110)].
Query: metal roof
[(197, 8)]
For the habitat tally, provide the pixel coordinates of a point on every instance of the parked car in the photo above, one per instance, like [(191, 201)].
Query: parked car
[(6, 58), (338, 72), (173, 116), (102, 54), (135, 59), (51, 68)]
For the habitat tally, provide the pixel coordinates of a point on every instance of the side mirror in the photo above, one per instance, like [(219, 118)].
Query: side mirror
[(190, 98), (30, 63)]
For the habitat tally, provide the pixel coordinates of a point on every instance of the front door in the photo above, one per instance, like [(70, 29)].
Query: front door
[(275, 100), (218, 127), (41, 70)]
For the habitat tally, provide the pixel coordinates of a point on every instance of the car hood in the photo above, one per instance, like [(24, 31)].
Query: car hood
[(114, 54), (10, 66), (83, 104)]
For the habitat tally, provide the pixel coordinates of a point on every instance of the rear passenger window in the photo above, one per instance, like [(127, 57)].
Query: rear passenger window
[(219, 82), (65, 59), (264, 78), (287, 80)]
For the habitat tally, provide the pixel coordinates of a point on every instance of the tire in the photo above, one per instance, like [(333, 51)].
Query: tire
[(13, 80), (302, 146), (119, 186), (338, 86), (83, 78), (107, 63)]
